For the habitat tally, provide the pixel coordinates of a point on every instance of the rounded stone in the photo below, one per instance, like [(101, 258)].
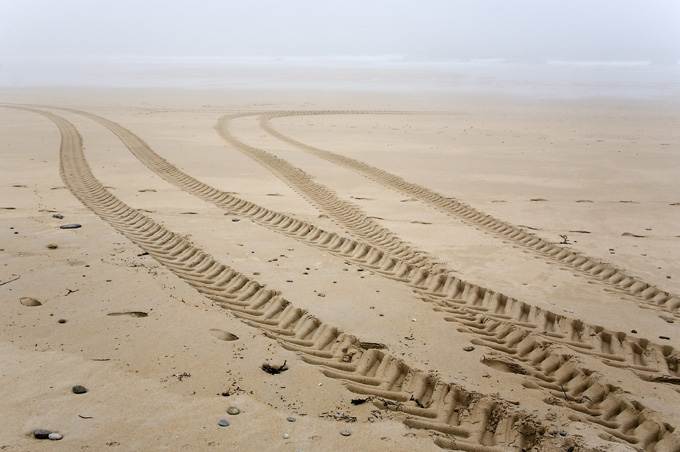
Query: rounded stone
[(62, 320), (286, 436), (77, 389), (232, 410), (41, 433), (223, 423), (290, 419), (55, 436), (468, 349), (345, 433)]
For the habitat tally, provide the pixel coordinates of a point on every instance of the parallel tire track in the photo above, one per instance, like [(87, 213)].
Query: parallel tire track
[(535, 356), (471, 421), (648, 360), (590, 267), (345, 213)]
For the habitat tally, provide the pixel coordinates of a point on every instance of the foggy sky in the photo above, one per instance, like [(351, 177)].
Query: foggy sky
[(600, 30)]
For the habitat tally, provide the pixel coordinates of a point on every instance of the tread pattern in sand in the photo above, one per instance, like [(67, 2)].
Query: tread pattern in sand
[(478, 421), (585, 265), (469, 308), (478, 308)]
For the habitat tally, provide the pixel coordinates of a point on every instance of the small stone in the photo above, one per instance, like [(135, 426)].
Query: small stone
[(290, 419), (345, 433), (58, 216), (235, 220), (62, 320), (70, 226), (52, 246), (633, 331), (560, 432), (256, 273), (286, 436), (223, 423), (41, 433), (77, 389), (55, 436), (232, 410), (665, 337), (468, 349)]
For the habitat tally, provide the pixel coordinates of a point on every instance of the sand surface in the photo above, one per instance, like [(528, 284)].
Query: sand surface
[(365, 239)]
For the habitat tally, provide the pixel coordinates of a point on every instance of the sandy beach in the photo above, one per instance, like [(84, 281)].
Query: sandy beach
[(436, 270)]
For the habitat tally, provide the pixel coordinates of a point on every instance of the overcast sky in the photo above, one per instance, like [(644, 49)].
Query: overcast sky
[(601, 30)]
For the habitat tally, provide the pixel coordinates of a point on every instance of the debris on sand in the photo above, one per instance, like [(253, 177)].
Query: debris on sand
[(274, 370), (70, 226)]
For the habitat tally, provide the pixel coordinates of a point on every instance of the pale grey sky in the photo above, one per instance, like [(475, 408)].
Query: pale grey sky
[(601, 30)]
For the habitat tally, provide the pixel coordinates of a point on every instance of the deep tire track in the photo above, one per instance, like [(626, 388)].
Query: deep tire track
[(478, 422), (590, 267), (534, 356)]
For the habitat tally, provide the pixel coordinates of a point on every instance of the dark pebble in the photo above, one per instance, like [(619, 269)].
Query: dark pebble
[(224, 423), (70, 226), (468, 349), (234, 220), (62, 320), (41, 433), (560, 432), (77, 389), (290, 419), (58, 215), (665, 337), (633, 331)]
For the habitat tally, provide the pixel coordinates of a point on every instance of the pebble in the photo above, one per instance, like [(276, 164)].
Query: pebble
[(286, 436), (233, 410), (560, 432), (468, 349), (665, 337), (55, 436), (70, 226), (58, 216), (345, 433), (223, 423), (290, 419), (52, 246), (633, 331), (41, 433), (77, 389), (235, 220), (62, 320)]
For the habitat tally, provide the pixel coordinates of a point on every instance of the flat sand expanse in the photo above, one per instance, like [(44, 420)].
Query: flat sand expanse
[(434, 271)]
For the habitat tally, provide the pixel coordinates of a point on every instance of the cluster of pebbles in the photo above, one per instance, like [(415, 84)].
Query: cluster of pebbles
[(41, 433)]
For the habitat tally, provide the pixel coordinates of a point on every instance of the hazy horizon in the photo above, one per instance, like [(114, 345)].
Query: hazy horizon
[(96, 43)]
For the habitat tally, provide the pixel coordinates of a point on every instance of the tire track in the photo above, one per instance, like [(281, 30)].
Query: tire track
[(346, 214), (475, 422), (650, 361), (589, 267), (470, 311)]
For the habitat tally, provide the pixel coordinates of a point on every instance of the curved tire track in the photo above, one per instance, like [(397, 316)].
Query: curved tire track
[(545, 370), (478, 422), (590, 267)]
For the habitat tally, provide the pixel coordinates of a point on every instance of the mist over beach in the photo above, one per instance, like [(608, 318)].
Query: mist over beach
[(360, 225)]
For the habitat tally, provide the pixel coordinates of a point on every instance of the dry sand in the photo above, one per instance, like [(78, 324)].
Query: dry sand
[(576, 339)]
